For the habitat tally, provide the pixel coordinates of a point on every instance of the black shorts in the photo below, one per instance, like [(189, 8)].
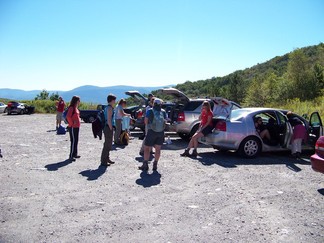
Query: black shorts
[(207, 130), (154, 138)]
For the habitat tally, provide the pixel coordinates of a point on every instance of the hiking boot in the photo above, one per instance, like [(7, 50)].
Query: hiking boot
[(185, 153), (155, 165), (104, 164), (77, 157), (194, 153), (144, 167), (111, 162), (72, 159)]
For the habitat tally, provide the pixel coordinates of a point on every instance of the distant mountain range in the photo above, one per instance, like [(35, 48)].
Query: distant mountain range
[(88, 93)]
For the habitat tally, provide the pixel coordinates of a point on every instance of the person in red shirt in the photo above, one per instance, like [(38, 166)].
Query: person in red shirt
[(205, 127), (60, 105), (74, 121)]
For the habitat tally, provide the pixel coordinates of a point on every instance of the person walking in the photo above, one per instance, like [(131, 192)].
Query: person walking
[(155, 121), (60, 105), (205, 127), (74, 121), (148, 107), (108, 131), (119, 114), (299, 134)]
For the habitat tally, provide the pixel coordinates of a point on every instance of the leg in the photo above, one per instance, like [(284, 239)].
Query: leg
[(106, 146), (76, 137), (195, 139), (157, 156), (293, 147), (72, 140), (265, 134), (299, 145)]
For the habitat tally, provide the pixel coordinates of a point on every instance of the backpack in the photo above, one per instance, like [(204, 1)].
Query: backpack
[(124, 138), (158, 122), (61, 130), (65, 114)]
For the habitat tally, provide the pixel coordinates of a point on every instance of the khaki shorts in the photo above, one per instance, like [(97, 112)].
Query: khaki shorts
[(59, 116)]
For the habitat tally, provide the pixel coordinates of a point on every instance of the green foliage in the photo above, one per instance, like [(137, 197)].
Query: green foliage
[(43, 95), (54, 96), (299, 74)]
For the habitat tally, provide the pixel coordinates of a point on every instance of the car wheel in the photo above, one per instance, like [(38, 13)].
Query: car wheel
[(21, 112), (91, 119), (250, 147)]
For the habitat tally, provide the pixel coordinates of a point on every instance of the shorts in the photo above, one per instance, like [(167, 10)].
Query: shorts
[(207, 130), (154, 138), (59, 116)]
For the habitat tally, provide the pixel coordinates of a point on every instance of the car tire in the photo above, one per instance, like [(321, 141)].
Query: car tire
[(250, 147), (21, 112)]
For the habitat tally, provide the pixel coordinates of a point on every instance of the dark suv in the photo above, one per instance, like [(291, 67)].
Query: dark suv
[(185, 114)]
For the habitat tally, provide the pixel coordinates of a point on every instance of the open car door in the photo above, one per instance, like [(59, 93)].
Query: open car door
[(315, 129), (285, 130)]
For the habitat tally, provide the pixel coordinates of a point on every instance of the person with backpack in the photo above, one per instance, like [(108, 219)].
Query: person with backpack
[(74, 121), (60, 105), (155, 121), (205, 127), (108, 131)]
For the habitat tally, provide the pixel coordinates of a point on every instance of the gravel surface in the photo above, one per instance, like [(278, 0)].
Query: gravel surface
[(215, 198)]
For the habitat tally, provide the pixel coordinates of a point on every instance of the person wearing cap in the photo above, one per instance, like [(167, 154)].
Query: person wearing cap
[(221, 108), (149, 98), (60, 105), (205, 127), (155, 121)]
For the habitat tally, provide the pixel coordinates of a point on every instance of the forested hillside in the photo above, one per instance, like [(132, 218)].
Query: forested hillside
[(283, 79)]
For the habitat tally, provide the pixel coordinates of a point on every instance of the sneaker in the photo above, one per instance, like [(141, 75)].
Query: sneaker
[(194, 154), (141, 153), (144, 167)]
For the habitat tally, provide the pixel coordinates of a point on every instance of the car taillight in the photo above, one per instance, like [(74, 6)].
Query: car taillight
[(319, 147), (181, 116), (221, 126)]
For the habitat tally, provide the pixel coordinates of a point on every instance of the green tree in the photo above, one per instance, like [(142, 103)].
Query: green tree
[(54, 96), (43, 95)]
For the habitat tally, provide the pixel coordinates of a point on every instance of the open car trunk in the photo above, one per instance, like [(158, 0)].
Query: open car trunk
[(180, 100)]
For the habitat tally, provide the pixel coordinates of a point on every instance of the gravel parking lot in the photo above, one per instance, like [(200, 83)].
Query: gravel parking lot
[(214, 198)]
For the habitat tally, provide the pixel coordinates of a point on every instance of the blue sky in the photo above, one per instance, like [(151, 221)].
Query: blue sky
[(60, 45)]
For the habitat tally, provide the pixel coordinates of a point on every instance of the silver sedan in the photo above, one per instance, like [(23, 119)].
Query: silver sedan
[(3, 108), (238, 132)]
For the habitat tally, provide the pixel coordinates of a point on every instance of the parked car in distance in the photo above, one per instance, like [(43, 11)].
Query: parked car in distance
[(19, 108), (317, 160), (3, 107), (185, 114), (238, 132)]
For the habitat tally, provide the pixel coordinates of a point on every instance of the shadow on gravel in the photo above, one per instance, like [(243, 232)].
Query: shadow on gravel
[(321, 191), (56, 166), (148, 180), (94, 174), (232, 160)]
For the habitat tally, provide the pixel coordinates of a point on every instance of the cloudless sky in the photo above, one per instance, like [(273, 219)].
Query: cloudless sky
[(63, 44)]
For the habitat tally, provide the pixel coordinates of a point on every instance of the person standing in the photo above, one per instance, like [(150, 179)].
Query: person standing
[(155, 121), (299, 134), (119, 114), (74, 121), (108, 131), (148, 107), (60, 105), (205, 127)]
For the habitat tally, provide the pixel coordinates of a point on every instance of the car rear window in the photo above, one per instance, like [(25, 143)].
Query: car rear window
[(192, 105), (238, 114)]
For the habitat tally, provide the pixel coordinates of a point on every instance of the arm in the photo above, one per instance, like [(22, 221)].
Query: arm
[(109, 117), (69, 116)]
